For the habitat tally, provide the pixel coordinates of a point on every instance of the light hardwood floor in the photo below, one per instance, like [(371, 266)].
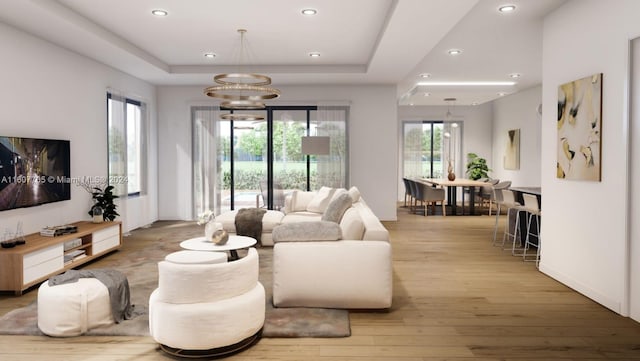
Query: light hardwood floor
[(455, 298)]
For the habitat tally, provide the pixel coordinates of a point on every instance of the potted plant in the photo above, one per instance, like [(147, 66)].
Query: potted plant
[(103, 199), (477, 167)]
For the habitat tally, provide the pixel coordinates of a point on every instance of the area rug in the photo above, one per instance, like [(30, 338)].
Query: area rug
[(138, 261)]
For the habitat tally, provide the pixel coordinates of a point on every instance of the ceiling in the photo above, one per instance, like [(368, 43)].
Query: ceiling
[(359, 41)]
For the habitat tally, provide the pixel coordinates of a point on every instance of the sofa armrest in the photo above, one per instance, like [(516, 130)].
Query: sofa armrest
[(339, 274)]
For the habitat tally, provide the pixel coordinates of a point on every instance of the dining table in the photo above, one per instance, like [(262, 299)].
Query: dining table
[(452, 186)]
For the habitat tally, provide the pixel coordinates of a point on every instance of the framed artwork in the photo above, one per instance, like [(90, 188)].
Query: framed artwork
[(579, 129), (512, 152)]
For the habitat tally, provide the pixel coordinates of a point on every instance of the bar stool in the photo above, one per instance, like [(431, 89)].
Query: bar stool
[(516, 229), (504, 198), (532, 206)]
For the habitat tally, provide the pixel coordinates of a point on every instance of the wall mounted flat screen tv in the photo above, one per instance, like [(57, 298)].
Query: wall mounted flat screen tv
[(33, 172)]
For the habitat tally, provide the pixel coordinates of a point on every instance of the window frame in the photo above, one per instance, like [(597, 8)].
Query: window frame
[(140, 143)]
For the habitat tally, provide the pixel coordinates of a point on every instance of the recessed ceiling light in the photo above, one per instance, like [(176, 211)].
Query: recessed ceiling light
[(411, 104), (209, 55), (507, 8), (474, 103), (466, 83), (425, 75), (454, 51), (314, 54), (502, 94), (160, 12), (514, 75), (309, 11), (426, 94)]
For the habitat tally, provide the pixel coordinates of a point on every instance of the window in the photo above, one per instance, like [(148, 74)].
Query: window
[(429, 147), (127, 145), (423, 149)]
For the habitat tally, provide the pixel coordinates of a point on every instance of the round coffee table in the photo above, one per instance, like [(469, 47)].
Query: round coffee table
[(232, 245)]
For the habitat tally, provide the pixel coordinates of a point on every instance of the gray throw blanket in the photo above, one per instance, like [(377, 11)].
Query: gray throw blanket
[(249, 223), (116, 283)]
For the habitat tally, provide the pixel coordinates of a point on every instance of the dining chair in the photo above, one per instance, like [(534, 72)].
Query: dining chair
[(413, 189), (428, 195), (485, 194), (407, 190)]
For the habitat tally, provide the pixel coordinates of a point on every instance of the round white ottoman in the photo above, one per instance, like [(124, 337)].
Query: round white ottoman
[(71, 309), (203, 309)]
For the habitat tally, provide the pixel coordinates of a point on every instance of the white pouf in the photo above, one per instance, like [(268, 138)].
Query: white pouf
[(71, 309)]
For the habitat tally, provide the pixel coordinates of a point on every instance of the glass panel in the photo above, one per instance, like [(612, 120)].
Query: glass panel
[(437, 165), (249, 162), (289, 164), (423, 150), (206, 189), (331, 169), (413, 150), (133, 149), (452, 142), (117, 142)]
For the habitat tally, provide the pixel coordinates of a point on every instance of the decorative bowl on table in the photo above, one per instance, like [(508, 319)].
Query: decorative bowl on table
[(214, 233)]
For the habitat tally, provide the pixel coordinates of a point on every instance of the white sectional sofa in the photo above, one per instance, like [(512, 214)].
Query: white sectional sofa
[(354, 270)]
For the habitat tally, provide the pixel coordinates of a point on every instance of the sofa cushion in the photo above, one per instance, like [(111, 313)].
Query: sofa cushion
[(337, 207), (307, 231), (300, 200), (321, 200), (352, 225), (301, 217)]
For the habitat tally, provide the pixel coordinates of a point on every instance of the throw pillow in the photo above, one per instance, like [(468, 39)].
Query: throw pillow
[(337, 193), (321, 200), (307, 231), (354, 192), (336, 208)]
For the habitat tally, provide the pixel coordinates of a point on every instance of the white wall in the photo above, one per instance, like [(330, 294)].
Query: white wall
[(372, 142), (584, 231), (518, 111), (49, 92), (476, 137)]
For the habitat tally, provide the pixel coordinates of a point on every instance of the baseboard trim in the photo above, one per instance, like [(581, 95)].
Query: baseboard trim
[(608, 302)]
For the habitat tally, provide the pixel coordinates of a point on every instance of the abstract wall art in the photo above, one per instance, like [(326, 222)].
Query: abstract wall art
[(512, 152), (579, 129)]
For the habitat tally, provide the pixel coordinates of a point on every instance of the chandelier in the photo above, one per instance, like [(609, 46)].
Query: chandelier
[(242, 91)]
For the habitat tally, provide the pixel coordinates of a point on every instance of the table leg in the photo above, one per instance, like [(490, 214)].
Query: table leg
[(453, 195), (233, 255), (472, 200)]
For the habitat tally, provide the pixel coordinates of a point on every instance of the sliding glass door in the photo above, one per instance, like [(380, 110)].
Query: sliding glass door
[(255, 163)]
